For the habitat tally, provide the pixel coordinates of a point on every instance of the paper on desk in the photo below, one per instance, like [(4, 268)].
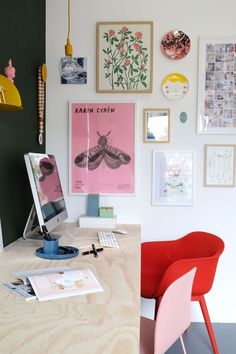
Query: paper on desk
[(24, 274)]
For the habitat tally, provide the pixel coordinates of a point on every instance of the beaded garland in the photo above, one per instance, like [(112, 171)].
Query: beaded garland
[(42, 75)]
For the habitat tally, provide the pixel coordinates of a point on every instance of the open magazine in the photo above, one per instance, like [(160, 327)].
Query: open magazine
[(25, 291), (22, 287), (64, 284)]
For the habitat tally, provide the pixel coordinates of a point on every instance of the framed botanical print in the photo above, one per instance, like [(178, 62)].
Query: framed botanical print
[(124, 57), (172, 178), (217, 86), (219, 167), (156, 125), (102, 148)]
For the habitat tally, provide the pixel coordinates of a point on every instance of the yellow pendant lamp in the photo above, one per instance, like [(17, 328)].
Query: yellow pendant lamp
[(10, 99)]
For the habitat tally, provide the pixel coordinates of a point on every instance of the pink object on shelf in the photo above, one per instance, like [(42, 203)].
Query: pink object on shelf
[(10, 71)]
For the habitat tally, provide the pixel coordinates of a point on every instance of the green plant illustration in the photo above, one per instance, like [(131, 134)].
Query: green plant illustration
[(126, 59)]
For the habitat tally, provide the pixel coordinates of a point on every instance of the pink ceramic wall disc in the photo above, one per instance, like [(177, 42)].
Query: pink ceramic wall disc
[(175, 45)]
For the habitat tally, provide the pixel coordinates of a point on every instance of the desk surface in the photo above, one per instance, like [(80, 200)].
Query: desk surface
[(99, 323)]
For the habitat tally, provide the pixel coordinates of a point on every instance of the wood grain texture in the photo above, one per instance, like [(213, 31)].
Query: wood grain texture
[(99, 323)]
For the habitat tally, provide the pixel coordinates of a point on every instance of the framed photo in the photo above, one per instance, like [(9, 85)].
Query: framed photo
[(102, 147), (124, 57), (172, 178), (156, 125), (219, 169), (80, 77), (217, 86)]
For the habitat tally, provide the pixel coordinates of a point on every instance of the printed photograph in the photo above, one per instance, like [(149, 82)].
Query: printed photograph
[(73, 71)]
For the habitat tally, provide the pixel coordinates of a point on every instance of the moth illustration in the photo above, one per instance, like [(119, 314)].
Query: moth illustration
[(92, 157)]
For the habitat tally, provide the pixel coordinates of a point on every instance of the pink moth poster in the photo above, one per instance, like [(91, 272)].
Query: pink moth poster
[(102, 148)]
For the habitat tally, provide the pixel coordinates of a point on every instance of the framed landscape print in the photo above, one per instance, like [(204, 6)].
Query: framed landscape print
[(124, 57), (156, 125), (172, 178), (219, 169), (217, 86), (102, 148)]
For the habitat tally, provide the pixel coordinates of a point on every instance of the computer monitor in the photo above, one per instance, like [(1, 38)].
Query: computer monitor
[(49, 204)]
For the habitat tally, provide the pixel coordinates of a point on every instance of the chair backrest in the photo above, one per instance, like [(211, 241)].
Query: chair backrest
[(174, 312), (199, 249)]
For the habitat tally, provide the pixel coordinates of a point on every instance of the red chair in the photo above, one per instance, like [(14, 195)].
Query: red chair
[(162, 262)]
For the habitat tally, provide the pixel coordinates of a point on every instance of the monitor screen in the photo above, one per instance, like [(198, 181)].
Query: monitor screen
[(49, 203)]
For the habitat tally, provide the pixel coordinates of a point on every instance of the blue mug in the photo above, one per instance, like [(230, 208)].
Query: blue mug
[(51, 246)]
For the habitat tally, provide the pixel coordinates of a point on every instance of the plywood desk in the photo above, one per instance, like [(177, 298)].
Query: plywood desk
[(99, 323)]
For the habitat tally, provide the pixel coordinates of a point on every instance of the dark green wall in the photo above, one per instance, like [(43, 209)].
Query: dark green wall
[(22, 38)]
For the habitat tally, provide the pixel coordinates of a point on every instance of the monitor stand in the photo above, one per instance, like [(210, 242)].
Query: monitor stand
[(32, 230)]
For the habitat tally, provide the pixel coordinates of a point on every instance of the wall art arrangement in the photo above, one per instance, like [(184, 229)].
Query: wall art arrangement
[(78, 76), (219, 169), (216, 86), (124, 57), (156, 125), (172, 178), (102, 147)]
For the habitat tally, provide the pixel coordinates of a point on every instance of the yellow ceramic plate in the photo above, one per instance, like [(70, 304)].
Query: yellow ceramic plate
[(175, 86)]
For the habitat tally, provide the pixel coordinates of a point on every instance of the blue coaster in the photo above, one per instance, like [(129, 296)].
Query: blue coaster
[(65, 252)]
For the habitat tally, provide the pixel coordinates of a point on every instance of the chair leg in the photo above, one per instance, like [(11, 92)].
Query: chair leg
[(157, 303), (183, 346), (209, 327)]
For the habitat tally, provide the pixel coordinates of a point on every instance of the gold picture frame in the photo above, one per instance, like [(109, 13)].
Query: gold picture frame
[(156, 125), (124, 58)]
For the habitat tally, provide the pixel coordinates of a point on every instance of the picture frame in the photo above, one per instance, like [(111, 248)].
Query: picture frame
[(156, 125), (216, 113), (124, 61), (219, 165), (102, 148), (82, 72), (172, 178)]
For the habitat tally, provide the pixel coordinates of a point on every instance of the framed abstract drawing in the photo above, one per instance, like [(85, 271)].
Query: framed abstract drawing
[(124, 57), (219, 167), (217, 86), (172, 178), (102, 147), (156, 125)]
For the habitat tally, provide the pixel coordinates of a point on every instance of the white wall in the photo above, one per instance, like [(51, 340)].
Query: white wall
[(214, 208)]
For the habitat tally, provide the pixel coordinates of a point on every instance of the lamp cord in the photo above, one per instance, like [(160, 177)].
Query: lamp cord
[(68, 46), (68, 30)]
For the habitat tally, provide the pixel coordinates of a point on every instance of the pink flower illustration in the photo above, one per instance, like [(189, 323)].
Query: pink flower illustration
[(137, 47), (138, 35), (126, 59), (123, 29), (111, 32)]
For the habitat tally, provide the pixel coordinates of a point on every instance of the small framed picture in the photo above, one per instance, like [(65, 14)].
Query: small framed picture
[(172, 178), (156, 125), (219, 169), (124, 57)]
